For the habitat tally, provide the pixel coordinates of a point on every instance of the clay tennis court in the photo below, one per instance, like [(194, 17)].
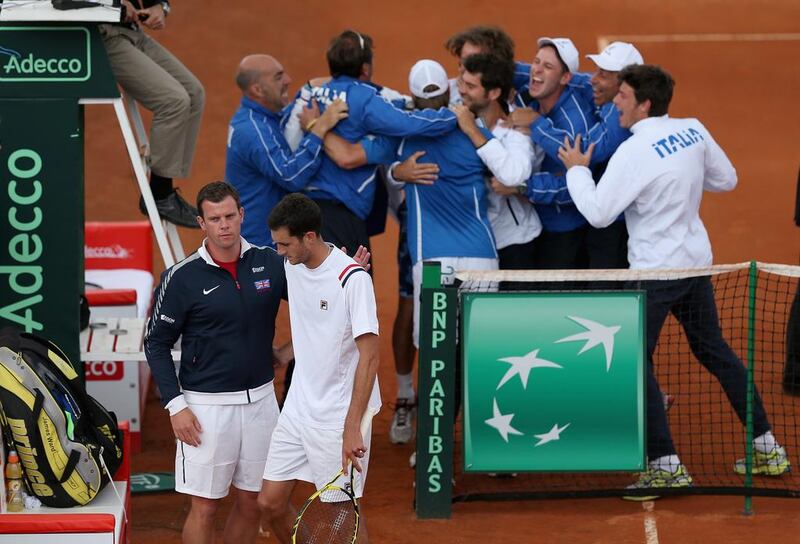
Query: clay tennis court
[(736, 69)]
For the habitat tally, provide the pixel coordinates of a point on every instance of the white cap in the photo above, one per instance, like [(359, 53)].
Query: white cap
[(424, 73), (566, 50), (616, 56)]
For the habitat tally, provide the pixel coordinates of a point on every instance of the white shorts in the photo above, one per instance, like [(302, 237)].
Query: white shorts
[(450, 265), (233, 448), (300, 452)]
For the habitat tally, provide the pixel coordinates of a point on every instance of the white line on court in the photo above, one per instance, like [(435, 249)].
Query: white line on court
[(603, 41), (650, 529)]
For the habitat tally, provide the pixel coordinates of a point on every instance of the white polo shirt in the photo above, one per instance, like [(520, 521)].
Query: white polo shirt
[(329, 307), (657, 177)]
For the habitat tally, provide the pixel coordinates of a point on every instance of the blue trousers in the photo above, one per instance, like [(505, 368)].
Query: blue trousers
[(692, 302)]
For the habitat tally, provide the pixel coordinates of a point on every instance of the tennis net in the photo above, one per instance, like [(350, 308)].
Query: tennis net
[(758, 312)]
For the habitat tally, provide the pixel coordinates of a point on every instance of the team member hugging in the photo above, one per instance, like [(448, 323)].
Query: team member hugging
[(657, 178)]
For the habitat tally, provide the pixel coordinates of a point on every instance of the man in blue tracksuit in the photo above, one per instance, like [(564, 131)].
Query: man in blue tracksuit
[(346, 196), (259, 162), (553, 100), (606, 247), (448, 219)]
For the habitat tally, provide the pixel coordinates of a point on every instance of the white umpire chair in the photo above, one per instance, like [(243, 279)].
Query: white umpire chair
[(138, 146)]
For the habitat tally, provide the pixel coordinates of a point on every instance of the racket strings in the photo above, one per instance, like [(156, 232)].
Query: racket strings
[(331, 518)]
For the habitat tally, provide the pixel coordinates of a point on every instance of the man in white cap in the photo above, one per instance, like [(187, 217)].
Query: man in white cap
[(550, 103), (447, 219), (608, 247), (607, 134)]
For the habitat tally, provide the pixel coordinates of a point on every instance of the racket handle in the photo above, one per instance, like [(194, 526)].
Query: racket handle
[(366, 420)]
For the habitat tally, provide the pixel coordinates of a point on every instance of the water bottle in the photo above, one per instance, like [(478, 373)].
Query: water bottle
[(15, 500)]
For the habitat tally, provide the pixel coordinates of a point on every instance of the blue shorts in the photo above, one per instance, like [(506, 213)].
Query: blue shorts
[(404, 279)]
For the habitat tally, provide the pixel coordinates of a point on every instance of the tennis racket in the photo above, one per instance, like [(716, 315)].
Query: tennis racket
[(331, 515)]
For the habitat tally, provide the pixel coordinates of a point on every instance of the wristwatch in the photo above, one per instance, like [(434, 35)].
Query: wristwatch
[(165, 6)]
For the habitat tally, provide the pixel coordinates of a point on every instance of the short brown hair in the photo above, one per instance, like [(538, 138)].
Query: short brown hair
[(649, 82), (215, 192), (298, 213), (492, 39), (496, 72), (348, 52)]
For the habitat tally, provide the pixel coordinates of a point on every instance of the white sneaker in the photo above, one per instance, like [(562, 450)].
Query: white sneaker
[(402, 429)]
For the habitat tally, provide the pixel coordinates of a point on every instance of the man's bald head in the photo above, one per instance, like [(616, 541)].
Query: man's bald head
[(252, 67), (261, 78)]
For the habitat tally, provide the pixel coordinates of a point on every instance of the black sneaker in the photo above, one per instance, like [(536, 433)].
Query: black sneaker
[(175, 209)]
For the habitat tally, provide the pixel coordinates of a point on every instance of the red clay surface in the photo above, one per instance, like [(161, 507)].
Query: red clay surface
[(743, 88)]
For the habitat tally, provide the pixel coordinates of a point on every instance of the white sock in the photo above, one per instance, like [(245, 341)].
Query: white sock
[(668, 463), (405, 386), (765, 443)]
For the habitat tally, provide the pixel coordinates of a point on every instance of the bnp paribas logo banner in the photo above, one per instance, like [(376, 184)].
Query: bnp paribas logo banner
[(55, 54), (554, 382)]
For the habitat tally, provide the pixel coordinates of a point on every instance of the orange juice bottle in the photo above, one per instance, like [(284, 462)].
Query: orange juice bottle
[(15, 500)]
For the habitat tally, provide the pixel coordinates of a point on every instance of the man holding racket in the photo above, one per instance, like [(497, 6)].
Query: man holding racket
[(334, 326)]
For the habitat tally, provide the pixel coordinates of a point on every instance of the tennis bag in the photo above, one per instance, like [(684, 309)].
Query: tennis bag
[(68, 443)]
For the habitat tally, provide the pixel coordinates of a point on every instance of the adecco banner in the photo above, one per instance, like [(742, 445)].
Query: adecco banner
[(41, 218), (54, 61), (26, 54), (554, 381)]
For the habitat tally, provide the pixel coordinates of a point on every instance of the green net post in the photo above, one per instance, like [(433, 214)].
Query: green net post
[(751, 347), (435, 418)]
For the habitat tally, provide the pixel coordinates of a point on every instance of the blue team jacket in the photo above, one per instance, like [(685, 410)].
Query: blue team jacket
[(369, 113), (449, 218), (573, 114), (226, 330), (604, 132), (262, 167)]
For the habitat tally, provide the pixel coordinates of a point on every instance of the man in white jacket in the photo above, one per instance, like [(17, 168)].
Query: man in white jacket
[(657, 178), (510, 156)]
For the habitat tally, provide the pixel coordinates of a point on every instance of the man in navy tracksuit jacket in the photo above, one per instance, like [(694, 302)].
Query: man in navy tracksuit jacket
[(259, 162), (346, 196), (221, 302)]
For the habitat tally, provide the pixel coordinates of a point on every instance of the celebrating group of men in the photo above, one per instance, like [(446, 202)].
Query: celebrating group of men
[(508, 165)]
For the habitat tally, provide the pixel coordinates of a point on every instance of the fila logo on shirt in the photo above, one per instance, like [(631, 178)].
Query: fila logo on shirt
[(323, 304)]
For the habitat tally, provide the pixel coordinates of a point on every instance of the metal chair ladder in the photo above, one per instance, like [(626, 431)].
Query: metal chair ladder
[(166, 233)]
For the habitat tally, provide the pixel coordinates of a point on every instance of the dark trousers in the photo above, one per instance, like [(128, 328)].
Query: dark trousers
[(691, 301), (561, 250), (791, 371), (517, 257), (341, 227), (607, 247)]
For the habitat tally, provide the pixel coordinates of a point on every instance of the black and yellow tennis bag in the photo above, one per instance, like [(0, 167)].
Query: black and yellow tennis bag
[(69, 445)]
